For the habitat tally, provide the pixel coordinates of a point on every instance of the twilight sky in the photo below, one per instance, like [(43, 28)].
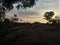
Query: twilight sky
[(37, 11)]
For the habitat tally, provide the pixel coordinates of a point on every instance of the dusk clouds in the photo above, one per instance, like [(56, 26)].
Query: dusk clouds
[(47, 4), (27, 13)]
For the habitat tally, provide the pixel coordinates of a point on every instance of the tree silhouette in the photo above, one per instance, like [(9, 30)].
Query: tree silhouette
[(6, 21), (14, 18), (2, 13), (15, 15), (48, 15), (8, 5), (22, 3)]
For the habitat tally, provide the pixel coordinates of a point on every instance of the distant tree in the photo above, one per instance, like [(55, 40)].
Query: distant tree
[(48, 15), (57, 19), (36, 22), (21, 20), (15, 15), (15, 18), (6, 21)]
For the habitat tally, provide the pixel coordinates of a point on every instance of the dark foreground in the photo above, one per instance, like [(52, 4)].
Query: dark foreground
[(33, 35)]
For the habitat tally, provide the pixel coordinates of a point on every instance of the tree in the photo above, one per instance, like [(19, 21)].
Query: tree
[(6, 21), (48, 15), (15, 18), (8, 5), (22, 3), (2, 13)]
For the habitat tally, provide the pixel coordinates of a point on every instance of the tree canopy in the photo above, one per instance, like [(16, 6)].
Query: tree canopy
[(49, 15), (22, 3), (8, 5)]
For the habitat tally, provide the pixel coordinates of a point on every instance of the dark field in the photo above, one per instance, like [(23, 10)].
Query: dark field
[(33, 34)]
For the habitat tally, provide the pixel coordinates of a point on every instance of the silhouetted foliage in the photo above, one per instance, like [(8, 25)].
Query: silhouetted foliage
[(2, 13), (8, 5), (57, 22), (15, 18), (15, 15), (49, 15), (22, 3), (36, 22), (21, 20), (6, 20)]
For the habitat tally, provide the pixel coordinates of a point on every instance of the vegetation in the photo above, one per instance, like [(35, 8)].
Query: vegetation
[(22, 3), (37, 32), (7, 5), (49, 15), (8, 26)]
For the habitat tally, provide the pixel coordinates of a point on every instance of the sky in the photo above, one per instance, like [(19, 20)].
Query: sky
[(36, 13)]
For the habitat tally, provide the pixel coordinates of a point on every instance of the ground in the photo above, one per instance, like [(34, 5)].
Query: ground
[(34, 34)]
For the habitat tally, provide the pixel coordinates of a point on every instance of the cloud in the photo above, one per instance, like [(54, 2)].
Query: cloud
[(46, 4), (27, 13)]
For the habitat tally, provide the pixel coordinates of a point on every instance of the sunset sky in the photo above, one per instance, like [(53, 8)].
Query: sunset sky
[(36, 12)]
